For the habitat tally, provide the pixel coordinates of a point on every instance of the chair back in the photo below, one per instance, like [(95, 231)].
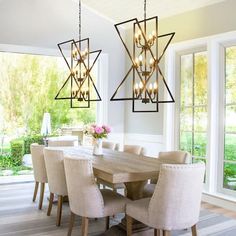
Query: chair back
[(134, 149), (109, 145), (85, 197), (61, 143), (178, 157), (176, 201), (55, 171), (40, 174)]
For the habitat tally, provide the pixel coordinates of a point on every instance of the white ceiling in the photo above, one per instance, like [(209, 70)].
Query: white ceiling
[(120, 10)]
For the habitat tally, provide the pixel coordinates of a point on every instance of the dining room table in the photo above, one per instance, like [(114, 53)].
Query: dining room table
[(119, 167)]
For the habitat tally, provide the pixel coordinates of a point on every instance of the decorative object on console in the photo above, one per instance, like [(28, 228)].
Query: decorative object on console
[(46, 127), (145, 72), (79, 86)]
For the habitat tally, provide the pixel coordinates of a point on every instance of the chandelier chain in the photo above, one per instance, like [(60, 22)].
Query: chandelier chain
[(79, 19), (145, 9)]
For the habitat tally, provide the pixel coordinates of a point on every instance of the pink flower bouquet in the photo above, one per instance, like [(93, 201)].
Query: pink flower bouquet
[(98, 131)]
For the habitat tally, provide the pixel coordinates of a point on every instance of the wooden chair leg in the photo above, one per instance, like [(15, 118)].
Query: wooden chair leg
[(35, 191), (194, 230), (157, 232), (71, 224), (42, 186), (125, 192), (166, 233), (50, 204), (129, 221), (85, 222), (107, 222), (59, 210)]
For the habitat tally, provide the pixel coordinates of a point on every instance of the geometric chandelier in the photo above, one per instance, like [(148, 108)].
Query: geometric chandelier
[(79, 87), (144, 78)]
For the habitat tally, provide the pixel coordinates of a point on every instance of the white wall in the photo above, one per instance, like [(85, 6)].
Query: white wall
[(46, 23), (198, 23)]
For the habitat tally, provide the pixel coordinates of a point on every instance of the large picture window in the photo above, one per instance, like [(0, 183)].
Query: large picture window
[(193, 104), (229, 167)]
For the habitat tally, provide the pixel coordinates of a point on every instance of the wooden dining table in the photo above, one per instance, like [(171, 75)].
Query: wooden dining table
[(119, 167)]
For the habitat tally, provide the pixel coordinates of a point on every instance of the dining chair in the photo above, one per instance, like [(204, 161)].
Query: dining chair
[(175, 204), (134, 149), (108, 145), (61, 143), (40, 174), (172, 157), (56, 179), (85, 198)]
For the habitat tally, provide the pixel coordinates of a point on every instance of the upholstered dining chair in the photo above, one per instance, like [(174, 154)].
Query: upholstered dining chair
[(40, 174), (56, 179), (172, 157), (85, 198), (134, 149), (109, 145), (175, 203), (61, 143)]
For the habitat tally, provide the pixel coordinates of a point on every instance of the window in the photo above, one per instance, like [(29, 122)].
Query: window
[(203, 121), (193, 104), (229, 167), (29, 84)]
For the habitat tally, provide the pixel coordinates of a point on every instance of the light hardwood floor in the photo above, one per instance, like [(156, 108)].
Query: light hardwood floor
[(19, 216)]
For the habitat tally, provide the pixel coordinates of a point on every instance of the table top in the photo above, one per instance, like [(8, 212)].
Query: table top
[(115, 166)]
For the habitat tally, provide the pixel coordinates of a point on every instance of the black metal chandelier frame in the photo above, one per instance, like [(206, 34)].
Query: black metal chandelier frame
[(144, 77), (76, 49)]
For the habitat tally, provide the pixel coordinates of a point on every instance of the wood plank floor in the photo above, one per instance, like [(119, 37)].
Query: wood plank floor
[(19, 216)]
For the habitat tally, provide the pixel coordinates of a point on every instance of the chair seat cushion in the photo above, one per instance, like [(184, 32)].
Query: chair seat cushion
[(139, 209), (110, 185), (113, 202), (148, 190)]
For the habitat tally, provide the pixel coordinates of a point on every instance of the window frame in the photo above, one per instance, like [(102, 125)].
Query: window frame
[(228, 42)]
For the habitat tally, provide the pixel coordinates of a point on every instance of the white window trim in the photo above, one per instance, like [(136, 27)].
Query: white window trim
[(214, 46), (101, 112)]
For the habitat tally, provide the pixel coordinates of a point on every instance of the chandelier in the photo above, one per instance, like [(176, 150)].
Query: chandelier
[(79, 87), (145, 75)]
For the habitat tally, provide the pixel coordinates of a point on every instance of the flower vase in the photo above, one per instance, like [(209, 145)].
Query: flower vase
[(97, 149)]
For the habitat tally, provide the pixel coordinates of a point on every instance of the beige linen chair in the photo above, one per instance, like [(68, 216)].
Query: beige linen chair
[(56, 179), (40, 174), (134, 149), (85, 198), (61, 143), (109, 145), (175, 203), (173, 157)]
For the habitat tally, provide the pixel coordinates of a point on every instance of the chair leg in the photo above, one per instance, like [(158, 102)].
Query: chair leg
[(194, 230), (125, 192), (157, 232), (166, 233), (35, 191), (129, 221), (85, 222), (107, 222), (59, 210), (42, 186), (71, 224), (50, 204)]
